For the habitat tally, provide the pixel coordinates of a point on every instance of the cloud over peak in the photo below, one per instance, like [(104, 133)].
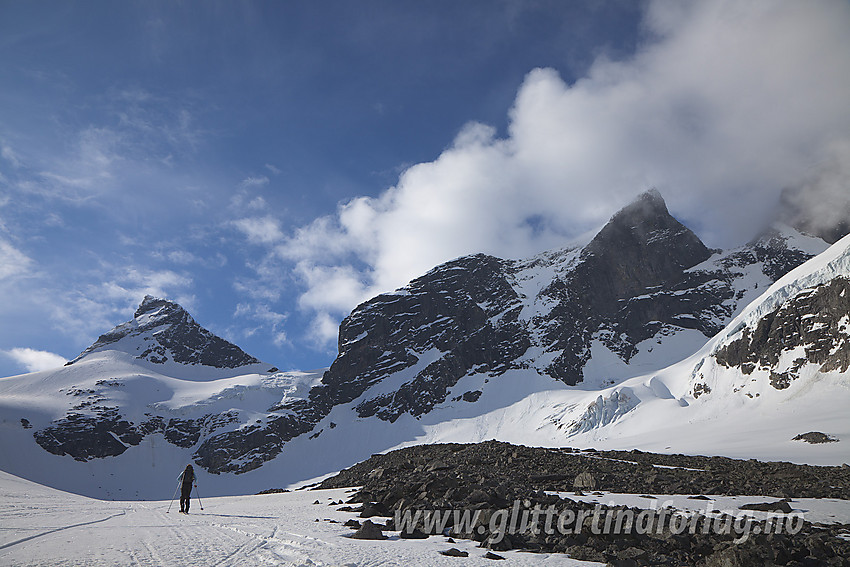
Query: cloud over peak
[(723, 106)]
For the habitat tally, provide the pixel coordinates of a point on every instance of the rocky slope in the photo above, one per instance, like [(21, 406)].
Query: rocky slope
[(163, 331), (490, 477), (642, 279), (162, 374), (479, 347)]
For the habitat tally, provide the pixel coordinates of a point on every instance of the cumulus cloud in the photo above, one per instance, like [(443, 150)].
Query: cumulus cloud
[(35, 360), (723, 105)]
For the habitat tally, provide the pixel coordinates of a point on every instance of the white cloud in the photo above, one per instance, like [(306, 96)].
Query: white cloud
[(13, 262), (9, 154), (324, 330), (274, 169), (35, 360), (260, 230), (90, 309), (132, 284), (89, 170), (268, 320), (723, 105), (254, 182)]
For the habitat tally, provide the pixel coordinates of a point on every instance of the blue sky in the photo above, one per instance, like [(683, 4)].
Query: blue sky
[(271, 164)]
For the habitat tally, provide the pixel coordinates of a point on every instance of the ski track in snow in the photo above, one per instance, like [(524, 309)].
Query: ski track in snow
[(42, 526)]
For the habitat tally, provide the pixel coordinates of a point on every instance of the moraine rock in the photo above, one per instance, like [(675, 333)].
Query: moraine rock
[(485, 466), (368, 530)]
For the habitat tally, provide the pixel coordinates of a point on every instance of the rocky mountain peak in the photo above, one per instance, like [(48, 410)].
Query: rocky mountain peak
[(152, 304), (641, 247), (646, 227), (162, 330)]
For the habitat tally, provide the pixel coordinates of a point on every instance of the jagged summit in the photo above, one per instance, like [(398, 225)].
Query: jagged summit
[(151, 303), (614, 340), (646, 228), (642, 246), (162, 330)]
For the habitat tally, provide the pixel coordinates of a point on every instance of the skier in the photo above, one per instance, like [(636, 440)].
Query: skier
[(187, 478)]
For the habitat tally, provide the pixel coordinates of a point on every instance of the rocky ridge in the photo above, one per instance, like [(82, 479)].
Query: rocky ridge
[(812, 328), (165, 331), (642, 280), (643, 276)]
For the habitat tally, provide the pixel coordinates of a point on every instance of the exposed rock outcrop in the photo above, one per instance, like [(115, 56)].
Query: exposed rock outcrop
[(165, 331)]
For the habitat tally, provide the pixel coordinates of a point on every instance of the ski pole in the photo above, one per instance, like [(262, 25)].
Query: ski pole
[(172, 497), (198, 496)]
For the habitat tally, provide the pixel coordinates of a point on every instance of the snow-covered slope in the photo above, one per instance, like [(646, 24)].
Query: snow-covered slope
[(587, 346), (779, 369), (43, 527), (142, 401)]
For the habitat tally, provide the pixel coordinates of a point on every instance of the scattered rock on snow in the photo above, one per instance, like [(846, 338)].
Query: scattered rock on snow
[(368, 531), (815, 437), (454, 552), (781, 506)]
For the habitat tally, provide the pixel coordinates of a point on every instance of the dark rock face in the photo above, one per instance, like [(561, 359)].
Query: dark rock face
[(641, 247), (85, 437), (633, 281), (449, 311), (643, 276), (103, 432), (249, 446), (816, 320), (630, 280), (170, 333)]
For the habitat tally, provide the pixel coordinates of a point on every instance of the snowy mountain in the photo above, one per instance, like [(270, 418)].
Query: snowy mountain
[(776, 371), (606, 344), (162, 331), (158, 388), (644, 289)]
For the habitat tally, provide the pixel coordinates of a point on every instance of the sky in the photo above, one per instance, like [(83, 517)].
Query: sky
[(270, 165)]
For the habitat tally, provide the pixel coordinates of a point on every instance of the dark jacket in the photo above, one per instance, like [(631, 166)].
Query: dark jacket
[(187, 477)]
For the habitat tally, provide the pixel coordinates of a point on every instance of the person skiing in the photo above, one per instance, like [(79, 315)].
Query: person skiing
[(187, 478)]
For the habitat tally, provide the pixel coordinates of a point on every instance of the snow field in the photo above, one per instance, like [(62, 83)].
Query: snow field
[(46, 527)]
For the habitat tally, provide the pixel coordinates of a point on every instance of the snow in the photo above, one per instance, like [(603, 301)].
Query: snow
[(47, 527), (832, 263), (646, 404), (815, 510)]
